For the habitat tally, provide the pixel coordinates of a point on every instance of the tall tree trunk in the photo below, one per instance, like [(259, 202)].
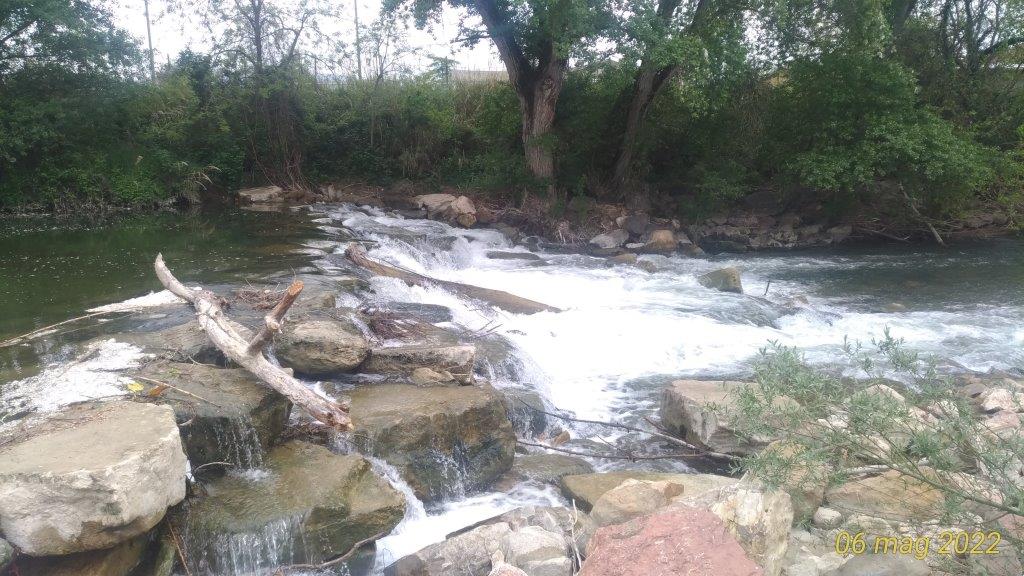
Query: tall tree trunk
[(538, 88), (645, 87), (538, 100)]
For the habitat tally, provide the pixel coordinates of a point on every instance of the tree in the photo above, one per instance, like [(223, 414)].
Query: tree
[(535, 40), (75, 35), (666, 38)]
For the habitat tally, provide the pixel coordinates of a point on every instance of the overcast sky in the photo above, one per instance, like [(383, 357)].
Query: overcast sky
[(170, 37)]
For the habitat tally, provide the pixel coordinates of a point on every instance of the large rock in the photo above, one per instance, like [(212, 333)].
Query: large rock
[(759, 518), (883, 565), (325, 347), (891, 496), (232, 416), (673, 542), (261, 195), (536, 539), (443, 439), (89, 477), (457, 210), (659, 242), (456, 360), (609, 240), (329, 501), (805, 480), (632, 499), (586, 489), (700, 411), (465, 554), (117, 561), (724, 279)]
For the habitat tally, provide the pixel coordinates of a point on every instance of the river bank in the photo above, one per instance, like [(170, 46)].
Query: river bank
[(623, 336)]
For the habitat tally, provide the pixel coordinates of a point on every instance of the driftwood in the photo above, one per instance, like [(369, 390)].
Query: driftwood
[(508, 302), (249, 355)]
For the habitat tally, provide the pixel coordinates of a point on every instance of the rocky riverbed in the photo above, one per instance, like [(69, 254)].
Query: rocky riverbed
[(152, 454)]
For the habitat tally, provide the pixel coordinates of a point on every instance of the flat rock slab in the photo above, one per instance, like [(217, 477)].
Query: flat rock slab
[(232, 416), (89, 477), (457, 360), (586, 489), (443, 439), (329, 501)]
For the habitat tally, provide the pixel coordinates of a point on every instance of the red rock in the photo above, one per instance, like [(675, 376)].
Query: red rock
[(673, 542)]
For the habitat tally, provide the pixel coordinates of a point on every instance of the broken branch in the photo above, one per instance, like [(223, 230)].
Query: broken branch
[(218, 328)]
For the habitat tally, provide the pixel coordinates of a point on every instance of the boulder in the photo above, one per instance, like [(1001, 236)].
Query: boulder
[(261, 195), (676, 541), (805, 480), (442, 439), (457, 360), (537, 552), (466, 554), (233, 416), (700, 411), (535, 539), (809, 555), (586, 489), (321, 347), (723, 279), (458, 210), (625, 258), (996, 399), (117, 561), (659, 242), (891, 496), (827, 518), (635, 223), (609, 240), (632, 499), (329, 501), (89, 477), (543, 468), (759, 518), (501, 568)]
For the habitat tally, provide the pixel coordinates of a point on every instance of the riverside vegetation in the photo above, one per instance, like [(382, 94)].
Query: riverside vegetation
[(902, 117)]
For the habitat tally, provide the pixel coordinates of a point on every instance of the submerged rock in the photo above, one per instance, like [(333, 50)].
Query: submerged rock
[(6, 554), (117, 561), (232, 416), (678, 541), (182, 343), (699, 411), (456, 360), (586, 489), (443, 440), (543, 468), (501, 255), (324, 502), (89, 477), (724, 279), (325, 347)]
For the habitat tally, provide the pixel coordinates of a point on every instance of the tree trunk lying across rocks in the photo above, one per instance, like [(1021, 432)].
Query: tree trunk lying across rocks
[(249, 354), (508, 302)]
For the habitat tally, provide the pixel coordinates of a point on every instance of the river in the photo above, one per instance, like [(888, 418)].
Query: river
[(622, 335)]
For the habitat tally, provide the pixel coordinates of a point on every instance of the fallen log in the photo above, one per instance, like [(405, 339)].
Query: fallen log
[(249, 355), (508, 302)]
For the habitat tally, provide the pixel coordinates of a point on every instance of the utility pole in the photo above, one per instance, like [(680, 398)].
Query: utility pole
[(149, 35), (359, 47)]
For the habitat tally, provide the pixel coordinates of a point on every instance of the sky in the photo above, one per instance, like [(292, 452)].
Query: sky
[(170, 36)]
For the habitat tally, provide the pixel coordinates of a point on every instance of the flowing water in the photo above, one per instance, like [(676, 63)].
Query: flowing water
[(622, 334)]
